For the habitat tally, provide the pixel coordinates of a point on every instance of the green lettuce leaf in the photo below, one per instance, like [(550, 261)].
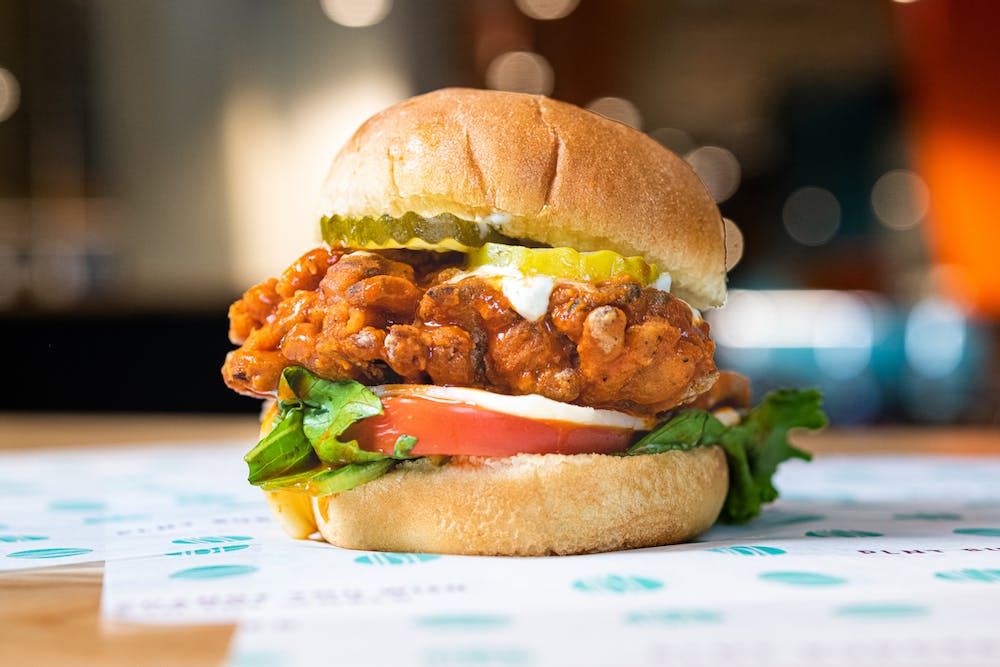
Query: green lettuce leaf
[(404, 445), (687, 430), (324, 481), (754, 448), (283, 451), (330, 408), (304, 449)]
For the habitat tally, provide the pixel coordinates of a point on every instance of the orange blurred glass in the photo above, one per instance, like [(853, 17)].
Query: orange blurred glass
[(951, 53)]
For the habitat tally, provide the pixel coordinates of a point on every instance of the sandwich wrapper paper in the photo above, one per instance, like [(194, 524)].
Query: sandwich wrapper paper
[(86, 505), (864, 560)]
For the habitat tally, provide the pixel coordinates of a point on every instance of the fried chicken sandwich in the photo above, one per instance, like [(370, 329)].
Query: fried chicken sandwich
[(498, 348)]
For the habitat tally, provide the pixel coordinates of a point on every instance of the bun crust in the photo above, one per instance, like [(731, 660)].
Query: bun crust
[(546, 170), (530, 504)]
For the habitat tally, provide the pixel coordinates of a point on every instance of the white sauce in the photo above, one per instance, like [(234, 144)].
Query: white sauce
[(662, 283), (528, 295), (496, 220), (531, 406)]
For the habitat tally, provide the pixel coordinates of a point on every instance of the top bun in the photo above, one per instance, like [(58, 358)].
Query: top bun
[(538, 169)]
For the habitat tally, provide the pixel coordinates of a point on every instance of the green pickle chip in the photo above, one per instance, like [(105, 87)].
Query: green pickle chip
[(483, 244), (563, 262), (442, 233)]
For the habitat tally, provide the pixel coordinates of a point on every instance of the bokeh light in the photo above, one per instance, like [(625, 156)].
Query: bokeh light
[(678, 141), (745, 321), (734, 244), (935, 337), (57, 274), (356, 13), (811, 215), (10, 94), (520, 72), (547, 10), (900, 199), (843, 335), (718, 169), (617, 108), (803, 319)]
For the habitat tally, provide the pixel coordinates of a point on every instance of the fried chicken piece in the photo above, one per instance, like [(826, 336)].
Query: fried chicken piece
[(332, 320), (453, 357), (732, 390), (515, 356), (368, 317), (260, 301), (639, 349), (252, 310), (444, 355), (407, 353)]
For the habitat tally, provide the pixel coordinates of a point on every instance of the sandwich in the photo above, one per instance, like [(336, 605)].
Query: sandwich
[(498, 349)]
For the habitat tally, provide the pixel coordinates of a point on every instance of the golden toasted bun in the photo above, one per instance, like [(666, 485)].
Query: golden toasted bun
[(525, 505), (546, 170)]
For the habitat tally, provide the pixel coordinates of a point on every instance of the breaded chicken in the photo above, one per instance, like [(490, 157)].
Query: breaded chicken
[(379, 317)]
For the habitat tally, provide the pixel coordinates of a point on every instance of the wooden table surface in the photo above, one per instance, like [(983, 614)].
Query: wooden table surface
[(51, 616)]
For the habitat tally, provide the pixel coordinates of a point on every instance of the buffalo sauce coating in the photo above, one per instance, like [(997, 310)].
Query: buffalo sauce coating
[(411, 317)]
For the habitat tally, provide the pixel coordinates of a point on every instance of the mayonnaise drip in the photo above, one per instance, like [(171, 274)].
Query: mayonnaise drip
[(529, 295)]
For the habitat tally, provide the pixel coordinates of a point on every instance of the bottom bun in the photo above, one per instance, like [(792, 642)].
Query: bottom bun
[(529, 505)]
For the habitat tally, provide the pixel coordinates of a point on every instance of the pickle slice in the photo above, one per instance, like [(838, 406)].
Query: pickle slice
[(563, 262), (441, 233)]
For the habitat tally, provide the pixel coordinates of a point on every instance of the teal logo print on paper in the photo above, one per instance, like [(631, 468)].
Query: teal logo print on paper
[(838, 532), (210, 550), (782, 518), (617, 584), (802, 578), (979, 532), (394, 558), (114, 518), (78, 505), (877, 611), (488, 656), (16, 487), (64, 552), (213, 539), (204, 499), (927, 516), (970, 574), (672, 617), (256, 659), (463, 622), (214, 572), (749, 550), (21, 538)]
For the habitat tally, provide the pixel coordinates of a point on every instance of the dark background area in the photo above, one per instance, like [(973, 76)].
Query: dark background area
[(150, 161)]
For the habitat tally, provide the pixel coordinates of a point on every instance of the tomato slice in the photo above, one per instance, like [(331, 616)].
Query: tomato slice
[(464, 429)]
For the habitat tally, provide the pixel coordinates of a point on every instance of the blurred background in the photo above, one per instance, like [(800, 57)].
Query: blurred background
[(157, 158)]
